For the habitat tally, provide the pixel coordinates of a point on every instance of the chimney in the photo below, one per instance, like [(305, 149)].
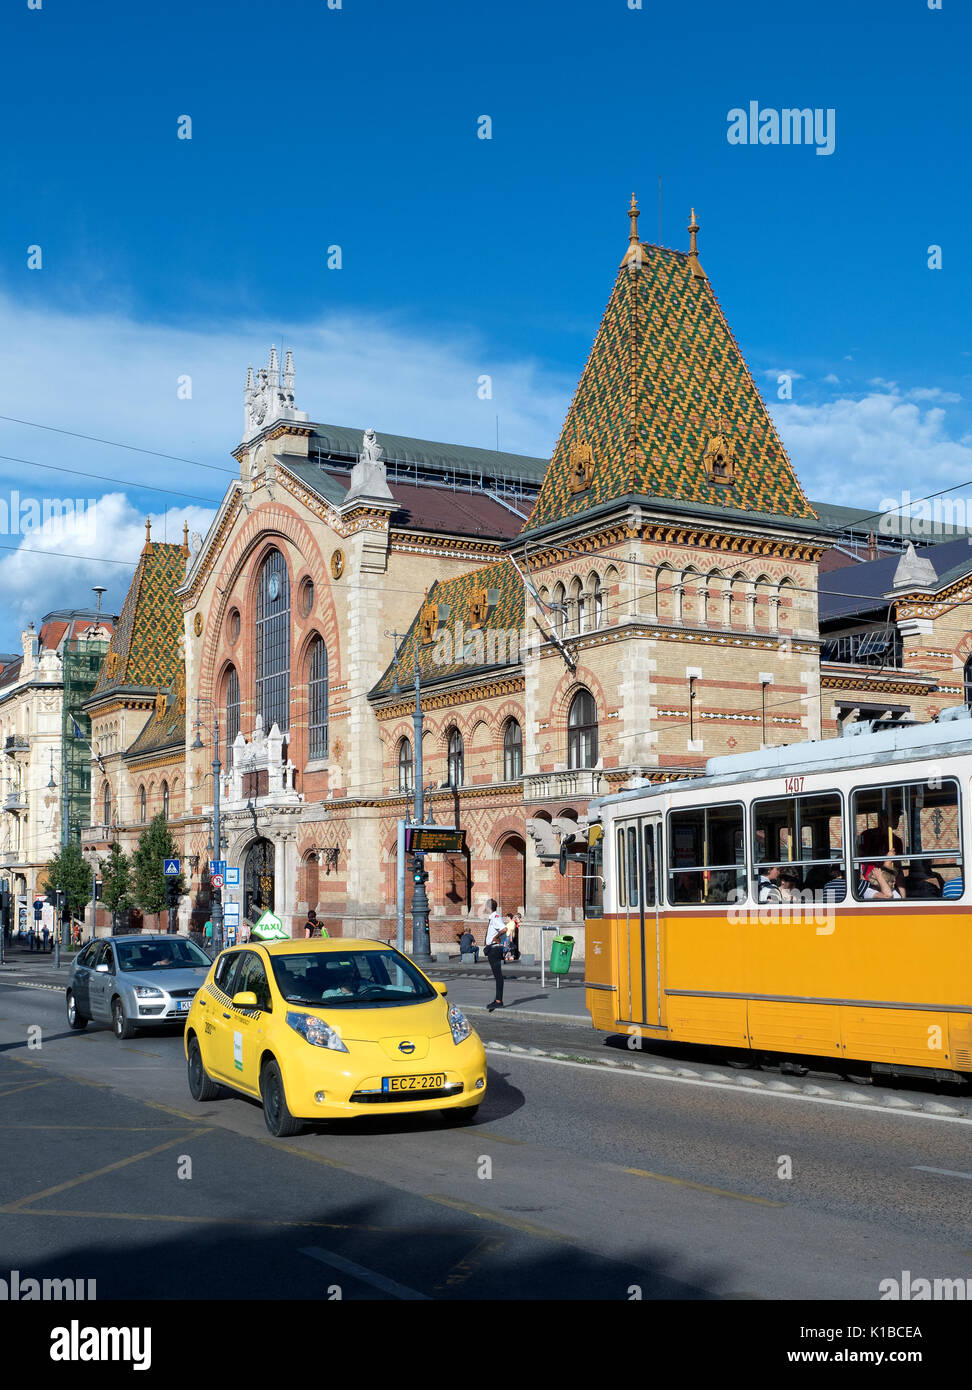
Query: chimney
[(872, 550)]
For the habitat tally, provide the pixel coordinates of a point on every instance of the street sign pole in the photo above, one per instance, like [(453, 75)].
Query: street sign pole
[(400, 889), (421, 945)]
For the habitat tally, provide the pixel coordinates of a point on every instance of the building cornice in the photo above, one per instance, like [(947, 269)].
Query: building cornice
[(442, 698)]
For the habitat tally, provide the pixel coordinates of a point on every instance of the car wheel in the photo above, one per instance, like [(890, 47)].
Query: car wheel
[(75, 1018), (201, 1085), (463, 1116), (122, 1027), (279, 1120)]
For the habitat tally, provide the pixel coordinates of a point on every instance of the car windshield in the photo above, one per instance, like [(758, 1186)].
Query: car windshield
[(177, 954), (345, 980)]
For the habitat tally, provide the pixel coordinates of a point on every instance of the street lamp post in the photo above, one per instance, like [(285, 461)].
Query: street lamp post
[(421, 945), (217, 906)]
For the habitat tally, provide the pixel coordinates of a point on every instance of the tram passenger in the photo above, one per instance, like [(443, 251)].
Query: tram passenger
[(790, 889), (954, 888), (879, 882), (769, 890), (923, 881), (835, 889)]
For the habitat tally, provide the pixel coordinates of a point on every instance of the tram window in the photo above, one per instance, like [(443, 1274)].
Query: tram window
[(907, 841), (622, 881), (706, 862), (633, 884), (648, 861), (798, 849)]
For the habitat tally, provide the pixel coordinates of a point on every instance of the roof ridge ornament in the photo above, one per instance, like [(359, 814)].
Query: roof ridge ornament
[(693, 254), (265, 401), (634, 254)]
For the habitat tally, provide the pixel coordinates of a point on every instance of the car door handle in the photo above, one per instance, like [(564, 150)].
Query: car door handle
[(226, 1015)]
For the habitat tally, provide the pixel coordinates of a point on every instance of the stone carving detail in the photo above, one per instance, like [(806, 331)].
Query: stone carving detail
[(262, 752), (719, 459), (266, 399)]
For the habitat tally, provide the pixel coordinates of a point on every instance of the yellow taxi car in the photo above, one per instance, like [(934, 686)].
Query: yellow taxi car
[(322, 1029)]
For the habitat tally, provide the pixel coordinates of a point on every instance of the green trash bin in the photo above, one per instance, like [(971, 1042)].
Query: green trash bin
[(561, 950)]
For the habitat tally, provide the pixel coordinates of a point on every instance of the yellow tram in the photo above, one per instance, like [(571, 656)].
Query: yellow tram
[(806, 901)]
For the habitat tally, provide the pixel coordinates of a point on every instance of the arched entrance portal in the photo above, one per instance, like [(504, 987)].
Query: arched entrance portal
[(258, 879), (512, 875)]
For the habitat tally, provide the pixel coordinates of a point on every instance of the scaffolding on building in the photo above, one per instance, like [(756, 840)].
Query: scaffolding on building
[(83, 660)]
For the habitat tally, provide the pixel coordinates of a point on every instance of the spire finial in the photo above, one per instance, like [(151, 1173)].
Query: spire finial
[(634, 255), (185, 538), (693, 255), (633, 214), (148, 535)]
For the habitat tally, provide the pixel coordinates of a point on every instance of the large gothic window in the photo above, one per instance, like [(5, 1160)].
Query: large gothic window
[(582, 731), (273, 643), (141, 805), (107, 804), (317, 700), (165, 800), (512, 752), (232, 705)]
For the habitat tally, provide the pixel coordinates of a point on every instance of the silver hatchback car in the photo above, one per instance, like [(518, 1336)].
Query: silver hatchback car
[(134, 982)]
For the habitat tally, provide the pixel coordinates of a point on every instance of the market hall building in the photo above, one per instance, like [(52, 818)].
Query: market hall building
[(644, 600)]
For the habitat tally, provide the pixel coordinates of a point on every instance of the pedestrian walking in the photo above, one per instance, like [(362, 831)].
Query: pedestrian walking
[(495, 950)]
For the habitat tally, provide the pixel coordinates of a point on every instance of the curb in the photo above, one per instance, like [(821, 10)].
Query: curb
[(533, 1015)]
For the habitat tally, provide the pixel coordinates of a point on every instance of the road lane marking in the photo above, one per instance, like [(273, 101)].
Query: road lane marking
[(945, 1172), (703, 1187), (21, 1202), (485, 1214), (119, 1129), (469, 1264), (183, 1220), (366, 1276), (639, 1074), (27, 1086), (172, 1110)]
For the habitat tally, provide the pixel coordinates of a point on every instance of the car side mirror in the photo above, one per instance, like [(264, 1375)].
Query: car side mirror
[(440, 988), (246, 999), (102, 969)]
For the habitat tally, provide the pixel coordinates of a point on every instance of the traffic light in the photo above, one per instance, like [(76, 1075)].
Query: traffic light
[(420, 875), (98, 887), (172, 893)]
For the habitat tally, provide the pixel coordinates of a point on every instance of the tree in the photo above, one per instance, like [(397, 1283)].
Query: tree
[(70, 872), (116, 883), (155, 845)]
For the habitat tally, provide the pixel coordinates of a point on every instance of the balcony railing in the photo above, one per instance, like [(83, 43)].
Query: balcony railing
[(577, 783), (15, 801), (878, 648), (9, 857), (16, 743)]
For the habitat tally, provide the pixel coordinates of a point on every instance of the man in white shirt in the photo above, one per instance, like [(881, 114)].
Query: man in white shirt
[(495, 938)]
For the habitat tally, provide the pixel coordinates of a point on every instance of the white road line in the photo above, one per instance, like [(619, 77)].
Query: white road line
[(945, 1172), (367, 1276), (737, 1090)]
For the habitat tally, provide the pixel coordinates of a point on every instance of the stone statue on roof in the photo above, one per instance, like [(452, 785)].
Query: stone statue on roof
[(368, 474)]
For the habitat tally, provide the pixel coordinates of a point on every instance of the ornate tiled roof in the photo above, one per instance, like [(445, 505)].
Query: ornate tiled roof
[(166, 728), (664, 385), (487, 601), (144, 649)]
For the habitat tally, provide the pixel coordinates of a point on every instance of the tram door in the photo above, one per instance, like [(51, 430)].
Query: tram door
[(637, 844)]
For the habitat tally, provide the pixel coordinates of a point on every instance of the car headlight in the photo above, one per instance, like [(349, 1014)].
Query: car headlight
[(315, 1030), (147, 992), (459, 1025)]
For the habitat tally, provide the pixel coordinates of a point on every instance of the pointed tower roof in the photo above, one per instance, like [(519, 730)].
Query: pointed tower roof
[(144, 648), (666, 406)]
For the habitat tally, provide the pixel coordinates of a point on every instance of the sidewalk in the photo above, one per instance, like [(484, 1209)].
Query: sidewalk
[(470, 986)]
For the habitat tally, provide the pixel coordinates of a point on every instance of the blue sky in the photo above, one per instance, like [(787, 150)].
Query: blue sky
[(357, 127)]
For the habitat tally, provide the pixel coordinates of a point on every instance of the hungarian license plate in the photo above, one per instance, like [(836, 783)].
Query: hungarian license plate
[(431, 1081), (183, 1006)]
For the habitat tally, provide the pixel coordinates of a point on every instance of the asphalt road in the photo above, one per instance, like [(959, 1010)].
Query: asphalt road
[(576, 1182)]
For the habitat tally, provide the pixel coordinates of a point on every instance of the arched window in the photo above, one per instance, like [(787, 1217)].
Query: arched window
[(512, 752), (405, 782), (141, 805), (273, 643), (582, 731), (560, 611), (232, 705), (597, 602), (578, 606), (317, 700), (107, 804), (456, 759), (165, 800)]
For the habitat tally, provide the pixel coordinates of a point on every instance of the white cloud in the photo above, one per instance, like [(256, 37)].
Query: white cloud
[(858, 452), (832, 380), (933, 393), (109, 376), (55, 565)]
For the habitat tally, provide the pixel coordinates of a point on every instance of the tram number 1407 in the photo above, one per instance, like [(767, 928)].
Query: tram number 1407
[(793, 784)]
